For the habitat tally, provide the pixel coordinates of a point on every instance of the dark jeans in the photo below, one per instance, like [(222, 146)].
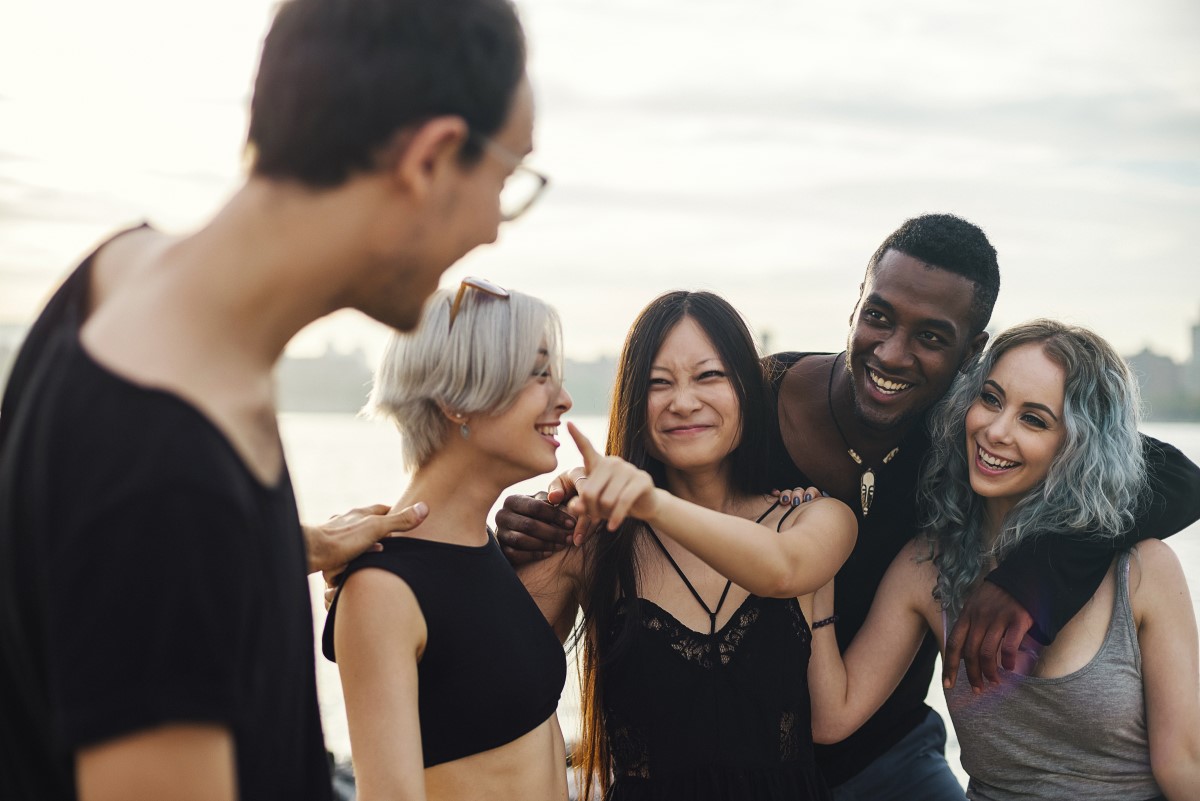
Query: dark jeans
[(914, 769)]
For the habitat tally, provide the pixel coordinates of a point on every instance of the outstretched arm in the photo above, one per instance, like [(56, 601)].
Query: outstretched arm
[(1166, 625), (809, 549), (341, 538), (846, 689)]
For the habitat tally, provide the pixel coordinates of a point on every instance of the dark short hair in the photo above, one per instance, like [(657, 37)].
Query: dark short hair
[(723, 325), (953, 244), (338, 78)]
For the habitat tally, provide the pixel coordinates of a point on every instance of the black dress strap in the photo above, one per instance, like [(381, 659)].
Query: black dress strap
[(712, 613)]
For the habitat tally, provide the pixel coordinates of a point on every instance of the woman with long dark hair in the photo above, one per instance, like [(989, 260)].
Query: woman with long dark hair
[(694, 645), (1038, 440)]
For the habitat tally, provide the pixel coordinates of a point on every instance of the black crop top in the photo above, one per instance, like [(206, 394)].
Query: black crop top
[(493, 669)]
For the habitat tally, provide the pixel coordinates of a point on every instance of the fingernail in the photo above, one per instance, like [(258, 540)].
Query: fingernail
[(796, 501), (807, 497), (784, 499), (420, 508), (824, 494)]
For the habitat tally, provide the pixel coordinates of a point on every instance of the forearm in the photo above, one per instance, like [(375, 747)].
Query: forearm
[(177, 762), (765, 562), (1174, 493), (1053, 577), (1178, 774), (827, 689)]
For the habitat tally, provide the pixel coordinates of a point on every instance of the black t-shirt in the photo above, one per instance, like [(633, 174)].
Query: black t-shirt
[(146, 577), (1052, 576)]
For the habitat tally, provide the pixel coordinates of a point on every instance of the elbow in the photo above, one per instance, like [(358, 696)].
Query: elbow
[(827, 732), (786, 583), (1177, 771)]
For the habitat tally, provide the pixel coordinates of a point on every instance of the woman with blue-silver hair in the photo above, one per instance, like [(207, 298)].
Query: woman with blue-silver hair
[(1038, 440)]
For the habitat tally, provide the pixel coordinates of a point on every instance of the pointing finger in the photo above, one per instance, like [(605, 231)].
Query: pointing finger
[(590, 456)]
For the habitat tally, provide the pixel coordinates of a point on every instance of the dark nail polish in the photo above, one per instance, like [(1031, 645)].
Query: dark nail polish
[(796, 501), (807, 497)]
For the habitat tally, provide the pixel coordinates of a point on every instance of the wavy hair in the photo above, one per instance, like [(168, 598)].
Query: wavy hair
[(477, 366), (1094, 485), (611, 566)]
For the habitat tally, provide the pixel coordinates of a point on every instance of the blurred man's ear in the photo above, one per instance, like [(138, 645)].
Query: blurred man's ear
[(425, 153)]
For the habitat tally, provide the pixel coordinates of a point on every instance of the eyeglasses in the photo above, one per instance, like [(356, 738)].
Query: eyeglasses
[(481, 284), (521, 188)]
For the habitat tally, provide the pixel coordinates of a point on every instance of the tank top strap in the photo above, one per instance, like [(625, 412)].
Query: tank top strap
[(1123, 611), (712, 613)]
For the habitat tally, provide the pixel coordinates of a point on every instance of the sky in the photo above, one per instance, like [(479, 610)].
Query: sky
[(761, 149)]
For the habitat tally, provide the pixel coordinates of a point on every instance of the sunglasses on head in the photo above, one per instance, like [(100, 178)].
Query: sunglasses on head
[(479, 284)]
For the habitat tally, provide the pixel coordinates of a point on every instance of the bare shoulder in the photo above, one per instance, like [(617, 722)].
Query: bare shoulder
[(126, 259), (826, 512), (1155, 568), (373, 600)]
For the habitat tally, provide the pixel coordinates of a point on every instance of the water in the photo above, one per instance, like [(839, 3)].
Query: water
[(339, 462)]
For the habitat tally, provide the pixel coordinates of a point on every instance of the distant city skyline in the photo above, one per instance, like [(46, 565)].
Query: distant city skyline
[(760, 149)]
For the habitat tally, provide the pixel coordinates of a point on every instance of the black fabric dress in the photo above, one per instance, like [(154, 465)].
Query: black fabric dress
[(694, 716)]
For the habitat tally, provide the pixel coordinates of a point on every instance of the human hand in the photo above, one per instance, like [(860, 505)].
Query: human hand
[(612, 488), (341, 538), (530, 528), (988, 633), (798, 495)]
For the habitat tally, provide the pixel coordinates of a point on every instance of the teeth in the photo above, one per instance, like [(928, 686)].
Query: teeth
[(992, 461), (548, 431), (885, 386)]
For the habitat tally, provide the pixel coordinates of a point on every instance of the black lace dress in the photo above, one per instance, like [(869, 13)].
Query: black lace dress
[(694, 716)]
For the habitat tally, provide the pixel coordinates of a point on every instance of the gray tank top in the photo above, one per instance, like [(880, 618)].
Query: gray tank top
[(1077, 736)]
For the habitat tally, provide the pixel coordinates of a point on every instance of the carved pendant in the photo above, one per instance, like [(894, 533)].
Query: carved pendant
[(866, 490)]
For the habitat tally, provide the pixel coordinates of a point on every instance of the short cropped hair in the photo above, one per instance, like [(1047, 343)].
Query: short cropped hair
[(953, 244), (478, 366), (339, 78)]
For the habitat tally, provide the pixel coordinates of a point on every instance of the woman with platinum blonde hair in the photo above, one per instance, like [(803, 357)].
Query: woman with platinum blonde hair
[(429, 628), (1038, 440)]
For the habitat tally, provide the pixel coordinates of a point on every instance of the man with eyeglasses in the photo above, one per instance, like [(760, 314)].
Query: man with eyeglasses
[(155, 625)]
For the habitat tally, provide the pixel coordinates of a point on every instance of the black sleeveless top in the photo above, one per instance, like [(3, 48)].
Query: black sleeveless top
[(706, 717), (493, 669)]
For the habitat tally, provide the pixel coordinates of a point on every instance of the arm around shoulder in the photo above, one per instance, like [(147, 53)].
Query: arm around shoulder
[(1166, 625), (1174, 502)]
